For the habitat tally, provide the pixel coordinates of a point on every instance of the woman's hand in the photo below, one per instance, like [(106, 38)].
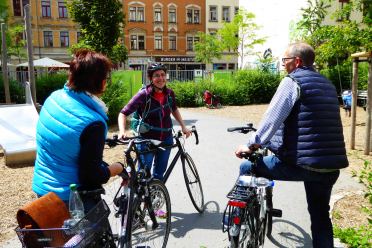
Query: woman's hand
[(187, 132), (122, 135)]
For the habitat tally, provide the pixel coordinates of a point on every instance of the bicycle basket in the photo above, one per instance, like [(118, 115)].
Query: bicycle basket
[(80, 235)]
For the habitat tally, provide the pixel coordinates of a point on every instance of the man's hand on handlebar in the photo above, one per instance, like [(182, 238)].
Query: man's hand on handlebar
[(245, 149)]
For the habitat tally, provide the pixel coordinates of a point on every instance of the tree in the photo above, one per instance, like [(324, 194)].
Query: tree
[(207, 48), (16, 46), (313, 15), (240, 35), (101, 22), (3, 10)]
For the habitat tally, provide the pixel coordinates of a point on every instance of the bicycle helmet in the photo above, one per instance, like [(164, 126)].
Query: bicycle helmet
[(155, 67)]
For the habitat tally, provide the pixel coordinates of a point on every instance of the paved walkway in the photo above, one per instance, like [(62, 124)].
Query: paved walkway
[(218, 169)]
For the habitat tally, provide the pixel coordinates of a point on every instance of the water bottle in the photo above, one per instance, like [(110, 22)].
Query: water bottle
[(76, 206)]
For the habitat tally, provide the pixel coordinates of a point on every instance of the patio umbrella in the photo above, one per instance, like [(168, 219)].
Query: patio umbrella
[(46, 62)]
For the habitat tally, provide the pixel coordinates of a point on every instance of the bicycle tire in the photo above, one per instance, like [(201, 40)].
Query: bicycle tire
[(142, 233), (193, 183)]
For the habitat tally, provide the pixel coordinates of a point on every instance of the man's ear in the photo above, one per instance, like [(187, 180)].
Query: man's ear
[(298, 62)]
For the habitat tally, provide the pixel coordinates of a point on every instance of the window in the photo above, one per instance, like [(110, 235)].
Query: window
[(213, 13), (136, 14), (158, 42), (344, 15), (172, 42), (137, 42), (62, 10), (193, 16), (48, 39), (190, 42), (172, 15), (236, 11), (17, 8), (45, 8), (226, 14), (157, 15), (64, 38), (78, 36)]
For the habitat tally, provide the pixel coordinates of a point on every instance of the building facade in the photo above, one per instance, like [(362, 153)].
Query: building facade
[(163, 31), (217, 12), (53, 32)]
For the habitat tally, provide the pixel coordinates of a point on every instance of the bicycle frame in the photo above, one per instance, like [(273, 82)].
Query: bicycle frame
[(180, 153)]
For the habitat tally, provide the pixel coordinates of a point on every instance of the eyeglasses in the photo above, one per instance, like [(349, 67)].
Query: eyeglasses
[(285, 59)]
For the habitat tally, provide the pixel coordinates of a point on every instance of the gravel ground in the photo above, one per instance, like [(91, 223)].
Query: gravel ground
[(15, 182)]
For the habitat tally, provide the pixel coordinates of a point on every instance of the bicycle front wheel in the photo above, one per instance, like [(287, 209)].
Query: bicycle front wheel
[(193, 183), (144, 232)]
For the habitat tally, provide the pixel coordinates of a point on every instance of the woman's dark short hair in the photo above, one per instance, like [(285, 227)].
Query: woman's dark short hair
[(87, 71)]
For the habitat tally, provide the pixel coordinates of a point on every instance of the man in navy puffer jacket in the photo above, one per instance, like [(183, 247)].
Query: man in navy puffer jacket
[(303, 128)]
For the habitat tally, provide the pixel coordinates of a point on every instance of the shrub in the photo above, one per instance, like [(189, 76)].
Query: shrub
[(48, 83), (16, 90), (116, 96)]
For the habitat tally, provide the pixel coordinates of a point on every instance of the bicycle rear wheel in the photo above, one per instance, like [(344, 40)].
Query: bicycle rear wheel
[(144, 234), (193, 183)]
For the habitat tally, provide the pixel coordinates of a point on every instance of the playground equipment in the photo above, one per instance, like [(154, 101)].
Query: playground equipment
[(18, 130)]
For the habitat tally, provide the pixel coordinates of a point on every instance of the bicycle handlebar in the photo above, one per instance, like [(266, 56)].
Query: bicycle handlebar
[(245, 129)]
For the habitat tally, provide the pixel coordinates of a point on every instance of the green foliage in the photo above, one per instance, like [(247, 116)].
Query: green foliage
[(207, 48), (240, 35), (244, 87), (359, 238), (115, 97), (343, 74), (102, 22), (313, 15), (4, 10), (46, 84), (16, 46), (16, 90)]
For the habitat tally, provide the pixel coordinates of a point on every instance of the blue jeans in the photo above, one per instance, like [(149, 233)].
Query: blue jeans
[(158, 159), (318, 187)]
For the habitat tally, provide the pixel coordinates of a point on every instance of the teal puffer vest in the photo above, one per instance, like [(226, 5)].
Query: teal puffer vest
[(63, 118)]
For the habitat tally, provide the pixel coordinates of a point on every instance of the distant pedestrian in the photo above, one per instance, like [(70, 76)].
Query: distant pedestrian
[(346, 98)]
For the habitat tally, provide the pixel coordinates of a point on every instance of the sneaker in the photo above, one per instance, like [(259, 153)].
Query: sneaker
[(161, 214)]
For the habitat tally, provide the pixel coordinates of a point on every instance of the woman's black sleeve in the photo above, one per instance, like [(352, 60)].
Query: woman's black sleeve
[(93, 172)]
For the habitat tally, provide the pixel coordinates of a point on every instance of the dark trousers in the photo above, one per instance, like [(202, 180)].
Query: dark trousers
[(318, 187)]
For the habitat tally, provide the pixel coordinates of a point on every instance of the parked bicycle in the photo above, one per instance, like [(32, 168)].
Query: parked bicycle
[(249, 211)]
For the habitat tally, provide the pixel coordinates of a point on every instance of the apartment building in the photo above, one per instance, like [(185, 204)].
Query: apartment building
[(163, 31), (218, 12), (52, 30)]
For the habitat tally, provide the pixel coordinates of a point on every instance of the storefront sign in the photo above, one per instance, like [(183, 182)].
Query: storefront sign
[(174, 59)]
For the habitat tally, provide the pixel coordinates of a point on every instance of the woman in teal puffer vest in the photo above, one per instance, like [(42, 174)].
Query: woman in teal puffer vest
[(71, 132)]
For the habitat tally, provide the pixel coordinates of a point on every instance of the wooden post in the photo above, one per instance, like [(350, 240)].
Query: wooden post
[(368, 145), (369, 96), (354, 95), (4, 64), (31, 72)]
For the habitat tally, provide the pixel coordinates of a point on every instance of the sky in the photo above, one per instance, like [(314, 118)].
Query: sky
[(274, 17)]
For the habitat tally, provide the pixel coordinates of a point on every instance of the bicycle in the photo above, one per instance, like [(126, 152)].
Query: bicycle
[(249, 211), (190, 173), (141, 203)]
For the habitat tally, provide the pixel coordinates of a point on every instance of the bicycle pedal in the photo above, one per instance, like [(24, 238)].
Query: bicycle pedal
[(276, 212)]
